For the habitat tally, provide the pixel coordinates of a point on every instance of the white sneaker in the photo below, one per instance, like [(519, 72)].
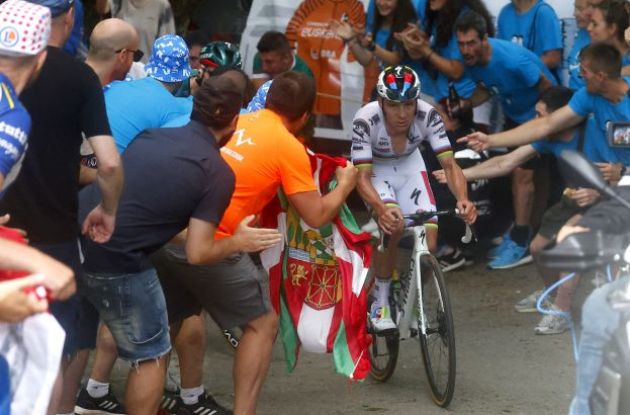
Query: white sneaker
[(528, 304), (381, 319), (552, 324)]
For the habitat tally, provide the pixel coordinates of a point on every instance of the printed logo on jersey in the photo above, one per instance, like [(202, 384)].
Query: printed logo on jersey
[(421, 115), (13, 131), (361, 129), (240, 140), (9, 36), (517, 39), (415, 195), (375, 120), (434, 119)]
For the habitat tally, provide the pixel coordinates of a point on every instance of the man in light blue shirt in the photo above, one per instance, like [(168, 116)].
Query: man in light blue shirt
[(517, 76), (534, 25), (134, 106), (605, 98)]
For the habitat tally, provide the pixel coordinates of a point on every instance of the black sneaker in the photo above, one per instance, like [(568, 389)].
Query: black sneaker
[(108, 404), (206, 406), (170, 402), (452, 261)]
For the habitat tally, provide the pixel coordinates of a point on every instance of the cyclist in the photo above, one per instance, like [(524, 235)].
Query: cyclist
[(214, 55), (393, 181)]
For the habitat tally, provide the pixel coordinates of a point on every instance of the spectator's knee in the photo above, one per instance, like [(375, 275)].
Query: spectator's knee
[(265, 325)]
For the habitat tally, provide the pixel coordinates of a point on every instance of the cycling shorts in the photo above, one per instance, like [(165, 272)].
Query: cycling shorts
[(404, 182)]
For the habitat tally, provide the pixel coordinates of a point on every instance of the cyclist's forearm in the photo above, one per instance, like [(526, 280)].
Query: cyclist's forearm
[(456, 181), (369, 194)]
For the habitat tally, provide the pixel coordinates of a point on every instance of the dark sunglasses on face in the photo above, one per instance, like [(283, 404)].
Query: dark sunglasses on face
[(137, 54)]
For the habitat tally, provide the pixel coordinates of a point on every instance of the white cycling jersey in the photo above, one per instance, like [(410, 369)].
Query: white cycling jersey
[(370, 139), (399, 178)]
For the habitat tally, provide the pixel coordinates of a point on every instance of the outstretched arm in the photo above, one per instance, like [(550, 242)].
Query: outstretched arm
[(527, 133), (202, 248), (494, 167)]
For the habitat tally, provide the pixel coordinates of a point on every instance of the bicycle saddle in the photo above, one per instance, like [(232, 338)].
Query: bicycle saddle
[(583, 252)]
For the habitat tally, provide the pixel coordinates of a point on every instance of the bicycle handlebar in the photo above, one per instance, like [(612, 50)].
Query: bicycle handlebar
[(419, 218)]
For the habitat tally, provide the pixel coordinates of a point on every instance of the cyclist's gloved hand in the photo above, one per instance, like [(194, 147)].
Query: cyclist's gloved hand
[(467, 211), (391, 220)]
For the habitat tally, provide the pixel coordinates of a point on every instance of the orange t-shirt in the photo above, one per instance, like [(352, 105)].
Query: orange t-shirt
[(264, 155)]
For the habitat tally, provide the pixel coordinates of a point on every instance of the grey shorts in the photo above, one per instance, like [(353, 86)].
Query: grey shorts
[(557, 216), (233, 291)]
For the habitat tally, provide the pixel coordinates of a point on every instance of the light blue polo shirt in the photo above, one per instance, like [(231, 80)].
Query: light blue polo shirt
[(135, 106), (512, 74)]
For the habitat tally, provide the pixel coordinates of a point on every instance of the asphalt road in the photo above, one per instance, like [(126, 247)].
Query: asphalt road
[(502, 366)]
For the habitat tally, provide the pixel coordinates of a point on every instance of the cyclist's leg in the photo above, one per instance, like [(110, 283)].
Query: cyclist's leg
[(384, 179)]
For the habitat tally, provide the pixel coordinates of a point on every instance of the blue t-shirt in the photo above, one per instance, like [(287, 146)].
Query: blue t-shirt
[(464, 86), (538, 29), (75, 41), (603, 111), (135, 106), (582, 39), (512, 73), (591, 145), (555, 147), (419, 6), (15, 125)]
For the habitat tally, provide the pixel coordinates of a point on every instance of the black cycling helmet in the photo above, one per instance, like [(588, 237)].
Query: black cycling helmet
[(218, 53), (398, 83)]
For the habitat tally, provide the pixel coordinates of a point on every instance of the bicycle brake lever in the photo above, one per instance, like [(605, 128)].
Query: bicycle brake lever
[(469, 235)]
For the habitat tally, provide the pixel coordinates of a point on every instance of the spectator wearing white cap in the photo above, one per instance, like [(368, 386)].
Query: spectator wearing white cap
[(65, 102), (149, 102), (22, 54)]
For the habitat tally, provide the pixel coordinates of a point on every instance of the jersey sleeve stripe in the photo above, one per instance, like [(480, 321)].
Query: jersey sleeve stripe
[(445, 152), (7, 95)]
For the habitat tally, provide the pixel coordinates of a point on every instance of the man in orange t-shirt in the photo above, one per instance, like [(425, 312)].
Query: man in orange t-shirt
[(264, 155)]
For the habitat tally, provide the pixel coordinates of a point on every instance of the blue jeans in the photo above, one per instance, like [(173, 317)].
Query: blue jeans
[(599, 323), (134, 309)]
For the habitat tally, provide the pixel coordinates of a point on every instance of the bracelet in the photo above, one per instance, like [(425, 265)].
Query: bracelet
[(371, 46)]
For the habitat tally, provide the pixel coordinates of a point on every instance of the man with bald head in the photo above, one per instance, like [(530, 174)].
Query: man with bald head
[(113, 49)]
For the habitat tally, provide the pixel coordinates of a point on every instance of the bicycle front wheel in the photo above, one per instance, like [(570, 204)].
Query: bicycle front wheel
[(438, 341)]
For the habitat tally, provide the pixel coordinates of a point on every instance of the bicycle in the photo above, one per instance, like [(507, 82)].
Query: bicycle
[(420, 307)]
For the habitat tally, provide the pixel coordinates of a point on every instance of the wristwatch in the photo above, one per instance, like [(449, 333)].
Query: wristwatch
[(371, 46)]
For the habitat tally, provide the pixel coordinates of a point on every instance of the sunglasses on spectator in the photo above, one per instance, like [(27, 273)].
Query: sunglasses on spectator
[(137, 54)]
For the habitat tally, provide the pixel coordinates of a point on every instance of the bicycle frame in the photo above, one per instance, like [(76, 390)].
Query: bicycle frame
[(413, 294)]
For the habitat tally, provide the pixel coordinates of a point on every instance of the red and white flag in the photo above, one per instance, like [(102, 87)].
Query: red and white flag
[(317, 281)]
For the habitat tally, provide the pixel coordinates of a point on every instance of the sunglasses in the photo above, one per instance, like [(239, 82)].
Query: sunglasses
[(137, 54)]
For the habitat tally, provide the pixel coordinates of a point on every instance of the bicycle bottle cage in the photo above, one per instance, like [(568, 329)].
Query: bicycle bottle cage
[(583, 252)]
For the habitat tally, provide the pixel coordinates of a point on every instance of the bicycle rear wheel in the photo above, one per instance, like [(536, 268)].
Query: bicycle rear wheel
[(438, 343)]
